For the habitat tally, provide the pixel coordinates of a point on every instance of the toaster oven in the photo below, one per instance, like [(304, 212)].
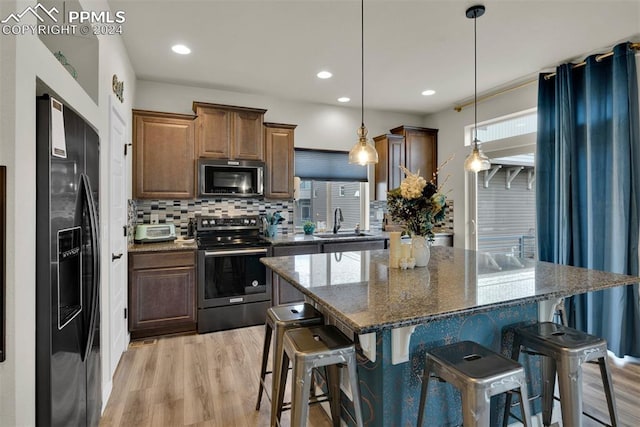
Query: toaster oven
[(149, 233)]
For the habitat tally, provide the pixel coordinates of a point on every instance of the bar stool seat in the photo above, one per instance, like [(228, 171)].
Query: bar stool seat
[(478, 373), (565, 350), (280, 319), (315, 347)]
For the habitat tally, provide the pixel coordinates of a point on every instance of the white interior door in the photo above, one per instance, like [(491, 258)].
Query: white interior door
[(117, 239)]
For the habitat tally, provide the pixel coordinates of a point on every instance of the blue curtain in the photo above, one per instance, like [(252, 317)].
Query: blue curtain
[(588, 187)]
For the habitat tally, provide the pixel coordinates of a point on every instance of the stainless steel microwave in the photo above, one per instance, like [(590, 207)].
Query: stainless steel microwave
[(230, 178)]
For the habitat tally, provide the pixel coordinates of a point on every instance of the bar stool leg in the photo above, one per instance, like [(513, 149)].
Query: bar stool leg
[(333, 387), (423, 393), (607, 385), (515, 355), (570, 384), (525, 410), (265, 358), (548, 389), (352, 367), (478, 399), (278, 396), (300, 396)]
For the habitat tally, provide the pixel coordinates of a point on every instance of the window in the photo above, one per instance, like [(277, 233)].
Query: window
[(513, 125), (328, 182), (327, 196)]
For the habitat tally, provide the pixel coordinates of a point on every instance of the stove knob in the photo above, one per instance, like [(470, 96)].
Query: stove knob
[(205, 222), (212, 221), (253, 222), (246, 221), (254, 283)]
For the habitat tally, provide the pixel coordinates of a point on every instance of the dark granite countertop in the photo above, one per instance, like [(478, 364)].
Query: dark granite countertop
[(362, 292), (300, 239)]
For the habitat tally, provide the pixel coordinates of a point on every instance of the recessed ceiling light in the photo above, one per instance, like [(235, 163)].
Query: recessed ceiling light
[(324, 75), (181, 49), (428, 92), (344, 99)]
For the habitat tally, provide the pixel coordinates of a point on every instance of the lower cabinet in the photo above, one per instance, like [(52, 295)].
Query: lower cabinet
[(162, 293), (283, 291), (368, 245)]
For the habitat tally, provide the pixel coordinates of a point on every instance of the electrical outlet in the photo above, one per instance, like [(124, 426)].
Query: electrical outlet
[(379, 214), (285, 215), (154, 218)]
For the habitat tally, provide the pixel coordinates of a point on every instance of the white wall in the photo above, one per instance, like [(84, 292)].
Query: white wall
[(319, 126), (23, 59), (451, 142)]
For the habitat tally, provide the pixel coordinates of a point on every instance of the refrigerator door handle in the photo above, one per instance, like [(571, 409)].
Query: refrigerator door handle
[(93, 224)]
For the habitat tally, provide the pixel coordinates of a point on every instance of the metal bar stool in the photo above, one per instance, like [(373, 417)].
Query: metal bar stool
[(314, 347), (478, 373), (280, 319), (565, 350)]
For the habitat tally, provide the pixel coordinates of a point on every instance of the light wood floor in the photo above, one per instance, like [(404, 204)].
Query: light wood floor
[(212, 380)]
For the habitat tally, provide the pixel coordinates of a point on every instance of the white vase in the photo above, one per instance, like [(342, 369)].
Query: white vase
[(421, 252)]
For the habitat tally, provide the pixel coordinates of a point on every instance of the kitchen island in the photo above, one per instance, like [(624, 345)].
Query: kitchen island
[(395, 315)]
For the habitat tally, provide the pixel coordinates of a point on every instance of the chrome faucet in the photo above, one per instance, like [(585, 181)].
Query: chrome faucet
[(337, 219)]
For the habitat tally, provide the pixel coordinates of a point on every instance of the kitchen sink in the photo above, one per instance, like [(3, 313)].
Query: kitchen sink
[(340, 235)]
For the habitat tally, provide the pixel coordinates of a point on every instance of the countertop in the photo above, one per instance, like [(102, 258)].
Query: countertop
[(176, 245), (362, 292), (298, 239)]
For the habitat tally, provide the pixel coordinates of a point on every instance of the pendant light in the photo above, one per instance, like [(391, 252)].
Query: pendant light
[(476, 161), (363, 153)]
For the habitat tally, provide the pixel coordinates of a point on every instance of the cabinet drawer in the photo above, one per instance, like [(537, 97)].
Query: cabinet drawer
[(139, 261)]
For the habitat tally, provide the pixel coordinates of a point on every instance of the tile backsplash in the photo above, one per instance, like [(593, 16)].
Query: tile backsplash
[(179, 212)]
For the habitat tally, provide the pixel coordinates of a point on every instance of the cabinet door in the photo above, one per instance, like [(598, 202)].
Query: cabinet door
[(421, 152), (247, 136), (388, 174), (162, 300), (279, 162), (213, 133), (163, 156)]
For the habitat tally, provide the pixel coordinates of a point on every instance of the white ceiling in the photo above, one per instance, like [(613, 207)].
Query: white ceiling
[(276, 47)]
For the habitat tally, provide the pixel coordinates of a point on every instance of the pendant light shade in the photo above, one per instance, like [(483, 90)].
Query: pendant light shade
[(363, 153), (476, 161)]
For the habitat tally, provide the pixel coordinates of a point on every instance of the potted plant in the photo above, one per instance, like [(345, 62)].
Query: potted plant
[(308, 227)]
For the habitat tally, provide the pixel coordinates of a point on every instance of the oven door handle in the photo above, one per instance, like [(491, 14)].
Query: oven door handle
[(236, 252)]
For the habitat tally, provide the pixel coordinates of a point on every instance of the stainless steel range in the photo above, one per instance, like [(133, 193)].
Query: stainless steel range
[(232, 285)]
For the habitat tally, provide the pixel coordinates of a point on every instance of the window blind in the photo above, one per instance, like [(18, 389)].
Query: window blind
[(323, 165)]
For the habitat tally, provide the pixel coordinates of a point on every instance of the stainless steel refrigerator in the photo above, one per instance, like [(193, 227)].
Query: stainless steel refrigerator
[(68, 385)]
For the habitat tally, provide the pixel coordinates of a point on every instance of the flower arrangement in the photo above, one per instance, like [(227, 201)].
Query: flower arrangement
[(417, 203)]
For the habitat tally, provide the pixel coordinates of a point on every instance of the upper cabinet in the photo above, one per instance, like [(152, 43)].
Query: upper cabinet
[(421, 149), (228, 132), (279, 160), (163, 155), (388, 175), (415, 148)]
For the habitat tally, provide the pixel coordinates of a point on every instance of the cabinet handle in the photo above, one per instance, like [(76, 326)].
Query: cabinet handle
[(115, 257)]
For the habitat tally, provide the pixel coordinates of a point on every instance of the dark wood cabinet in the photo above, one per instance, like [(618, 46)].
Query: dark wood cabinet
[(162, 293), (278, 160), (229, 132), (415, 148), (388, 175), (421, 149), (163, 155)]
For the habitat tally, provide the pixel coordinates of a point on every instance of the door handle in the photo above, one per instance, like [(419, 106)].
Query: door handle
[(115, 257)]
